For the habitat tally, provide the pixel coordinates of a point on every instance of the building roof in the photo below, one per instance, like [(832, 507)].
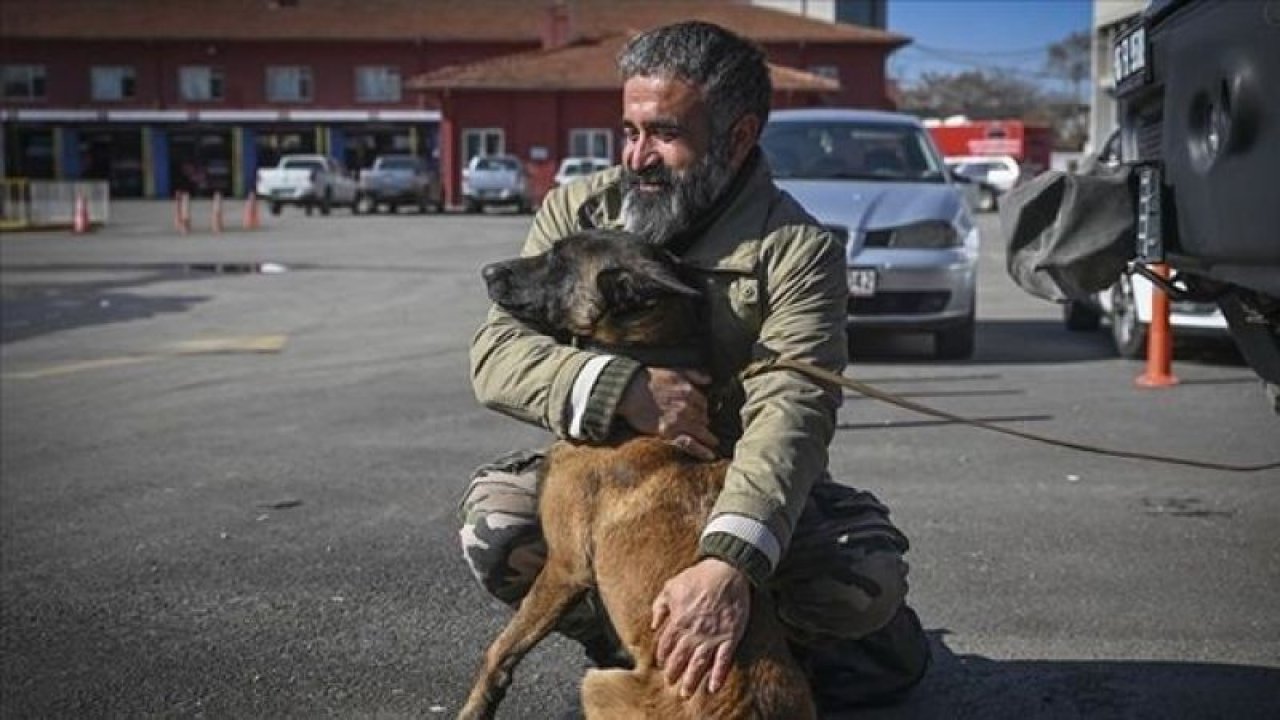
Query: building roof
[(432, 20), (583, 65)]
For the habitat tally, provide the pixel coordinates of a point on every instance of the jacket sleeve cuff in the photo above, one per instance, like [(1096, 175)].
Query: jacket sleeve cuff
[(747, 558), (606, 395)]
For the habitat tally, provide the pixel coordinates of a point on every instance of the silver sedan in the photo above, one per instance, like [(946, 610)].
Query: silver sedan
[(876, 179)]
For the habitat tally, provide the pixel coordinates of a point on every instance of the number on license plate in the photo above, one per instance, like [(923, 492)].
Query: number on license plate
[(1129, 56), (862, 282)]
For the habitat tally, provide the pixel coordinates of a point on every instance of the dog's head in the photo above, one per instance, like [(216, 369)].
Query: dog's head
[(607, 286)]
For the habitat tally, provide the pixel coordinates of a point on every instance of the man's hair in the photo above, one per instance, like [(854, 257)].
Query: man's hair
[(730, 70)]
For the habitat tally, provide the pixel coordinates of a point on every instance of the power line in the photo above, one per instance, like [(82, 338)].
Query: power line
[(1037, 50)]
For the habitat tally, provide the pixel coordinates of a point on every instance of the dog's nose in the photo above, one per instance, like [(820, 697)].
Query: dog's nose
[(494, 273)]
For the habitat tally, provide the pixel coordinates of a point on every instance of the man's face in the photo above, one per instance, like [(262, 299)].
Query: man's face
[(672, 168)]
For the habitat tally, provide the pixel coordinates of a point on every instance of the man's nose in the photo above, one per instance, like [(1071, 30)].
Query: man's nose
[(641, 156)]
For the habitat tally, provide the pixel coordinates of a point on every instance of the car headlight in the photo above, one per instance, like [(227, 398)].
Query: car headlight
[(839, 232), (930, 235)]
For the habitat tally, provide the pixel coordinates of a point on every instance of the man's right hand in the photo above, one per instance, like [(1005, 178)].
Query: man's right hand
[(671, 404)]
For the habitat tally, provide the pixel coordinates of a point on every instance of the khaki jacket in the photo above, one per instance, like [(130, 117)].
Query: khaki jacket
[(775, 284)]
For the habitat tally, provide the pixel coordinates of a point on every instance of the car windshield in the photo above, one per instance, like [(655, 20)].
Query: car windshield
[(496, 163), (398, 163), (850, 150), (972, 170), (303, 164)]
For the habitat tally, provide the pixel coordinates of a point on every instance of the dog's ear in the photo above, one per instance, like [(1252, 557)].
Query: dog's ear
[(624, 288)]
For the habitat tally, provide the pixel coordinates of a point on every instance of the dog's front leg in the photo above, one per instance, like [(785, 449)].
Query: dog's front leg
[(554, 591)]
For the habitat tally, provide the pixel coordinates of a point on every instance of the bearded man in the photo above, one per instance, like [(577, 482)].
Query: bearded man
[(693, 179)]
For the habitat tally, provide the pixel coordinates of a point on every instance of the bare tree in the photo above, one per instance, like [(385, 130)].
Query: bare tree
[(979, 94), (1069, 60)]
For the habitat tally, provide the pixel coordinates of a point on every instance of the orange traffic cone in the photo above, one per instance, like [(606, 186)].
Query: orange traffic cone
[(80, 216), (215, 223), (182, 212), (251, 212), (1159, 373)]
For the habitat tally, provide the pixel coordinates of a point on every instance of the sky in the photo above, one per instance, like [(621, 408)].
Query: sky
[(956, 35)]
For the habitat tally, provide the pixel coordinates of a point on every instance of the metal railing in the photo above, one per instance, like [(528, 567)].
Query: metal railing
[(27, 204)]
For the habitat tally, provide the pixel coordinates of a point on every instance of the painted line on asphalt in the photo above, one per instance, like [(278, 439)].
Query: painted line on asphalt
[(252, 345)]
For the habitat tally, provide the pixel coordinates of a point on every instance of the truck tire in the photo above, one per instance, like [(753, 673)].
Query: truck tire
[(274, 208), (326, 205), (1080, 317), (1128, 332)]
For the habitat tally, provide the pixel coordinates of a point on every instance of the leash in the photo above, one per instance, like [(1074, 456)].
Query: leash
[(780, 363)]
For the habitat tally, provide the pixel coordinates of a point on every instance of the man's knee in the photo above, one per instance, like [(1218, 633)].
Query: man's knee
[(856, 598), (500, 536)]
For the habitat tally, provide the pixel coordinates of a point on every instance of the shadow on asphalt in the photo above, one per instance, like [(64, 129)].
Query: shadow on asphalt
[(1028, 342), (30, 311), (972, 686)]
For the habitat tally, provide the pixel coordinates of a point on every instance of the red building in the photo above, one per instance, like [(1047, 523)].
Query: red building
[(164, 95)]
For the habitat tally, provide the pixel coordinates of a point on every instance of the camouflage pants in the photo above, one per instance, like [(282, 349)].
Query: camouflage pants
[(840, 589)]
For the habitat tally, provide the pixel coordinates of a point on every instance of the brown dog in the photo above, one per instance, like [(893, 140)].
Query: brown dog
[(624, 517)]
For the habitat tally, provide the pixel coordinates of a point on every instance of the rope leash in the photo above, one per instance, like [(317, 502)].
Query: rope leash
[(817, 373)]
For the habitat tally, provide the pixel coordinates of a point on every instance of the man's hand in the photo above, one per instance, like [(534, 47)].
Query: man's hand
[(700, 616), (670, 404)]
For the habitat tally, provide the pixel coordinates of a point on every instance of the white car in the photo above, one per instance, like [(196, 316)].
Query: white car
[(1127, 309), (999, 171), (495, 180), (308, 181), (573, 168)]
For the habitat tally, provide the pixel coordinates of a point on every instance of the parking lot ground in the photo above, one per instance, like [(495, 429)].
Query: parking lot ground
[(230, 464)]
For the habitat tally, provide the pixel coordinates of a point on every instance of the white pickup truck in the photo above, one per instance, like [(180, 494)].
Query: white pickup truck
[(311, 181)]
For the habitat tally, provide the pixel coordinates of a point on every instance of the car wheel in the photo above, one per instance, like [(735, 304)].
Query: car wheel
[(1080, 317), (986, 201), (274, 208), (1127, 330), (423, 205), (355, 205), (955, 343), (473, 207), (326, 205)]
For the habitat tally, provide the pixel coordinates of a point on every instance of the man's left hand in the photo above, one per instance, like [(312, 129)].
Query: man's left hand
[(700, 616)]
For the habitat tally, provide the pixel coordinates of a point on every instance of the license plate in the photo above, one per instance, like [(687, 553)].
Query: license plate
[(862, 282), (1129, 59)]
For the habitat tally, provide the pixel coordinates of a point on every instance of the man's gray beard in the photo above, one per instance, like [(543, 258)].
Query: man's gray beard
[(661, 215)]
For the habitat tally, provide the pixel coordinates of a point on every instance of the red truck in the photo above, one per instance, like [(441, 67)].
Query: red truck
[(1029, 144)]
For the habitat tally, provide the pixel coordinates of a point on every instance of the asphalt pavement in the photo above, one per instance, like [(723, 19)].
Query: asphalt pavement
[(230, 464)]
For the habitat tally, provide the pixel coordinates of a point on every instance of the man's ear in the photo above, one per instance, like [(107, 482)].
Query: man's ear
[(743, 136)]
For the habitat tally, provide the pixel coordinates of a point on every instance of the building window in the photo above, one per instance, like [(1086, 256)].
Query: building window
[(482, 141), (23, 82), (198, 83), (591, 142), (112, 82), (289, 84), (830, 72), (377, 84)]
